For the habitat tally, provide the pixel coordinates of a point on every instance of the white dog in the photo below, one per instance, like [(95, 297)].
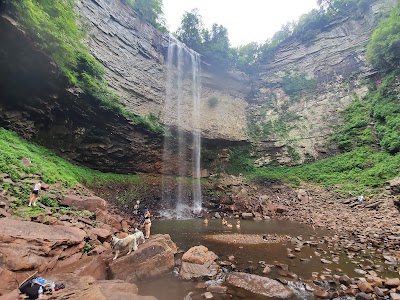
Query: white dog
[(131, 241)]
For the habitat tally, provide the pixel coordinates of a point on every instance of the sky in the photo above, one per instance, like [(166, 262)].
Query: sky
[(247, 21)]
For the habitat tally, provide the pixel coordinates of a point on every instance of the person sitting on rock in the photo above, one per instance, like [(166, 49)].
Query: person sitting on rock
[(224, 222), (205, 221), (35, 194), (237, 223)]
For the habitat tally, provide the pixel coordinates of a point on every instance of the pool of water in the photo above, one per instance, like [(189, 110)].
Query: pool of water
[(192, 232)]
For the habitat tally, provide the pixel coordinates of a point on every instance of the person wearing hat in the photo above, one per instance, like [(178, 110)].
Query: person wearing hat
[(147, 222)]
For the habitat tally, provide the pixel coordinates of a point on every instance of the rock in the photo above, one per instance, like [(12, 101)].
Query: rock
[(359, 271), (247, 216), (363, 296), (302, 195), (395, 296), (325, 261), (153, 258), (365, 287), (100, 234), (84, 203), (321, 294), (267, 270), (392, 282), (208, 295), (259, 286), (26, 162), (28, 246), (395, 186), (378, 292), (218, 289), (4, 213), (198, 262)]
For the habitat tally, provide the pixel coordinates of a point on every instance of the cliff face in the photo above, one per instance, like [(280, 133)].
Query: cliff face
[(334, 66), (135, 53), (38, 103)]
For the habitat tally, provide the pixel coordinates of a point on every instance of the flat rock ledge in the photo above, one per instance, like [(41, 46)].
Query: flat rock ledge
[(259, 286)]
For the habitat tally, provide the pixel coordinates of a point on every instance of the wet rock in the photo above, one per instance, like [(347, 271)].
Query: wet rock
[(197, 262), (217, 289), (267, 270), (359, 271), (208, 295), (153, 258), (325, 261), (260, 286), (247, 216)]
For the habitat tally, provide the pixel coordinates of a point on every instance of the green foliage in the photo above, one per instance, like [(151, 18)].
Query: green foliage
[(360, 170), (293, 154), (384, 47), (54, 24), (50, 202), (373, 120), (213, 44), (51, 168), (240, 161), (246, 57), (212, 102), (272, 128), (149, 10), (191, 30), (295, 83)]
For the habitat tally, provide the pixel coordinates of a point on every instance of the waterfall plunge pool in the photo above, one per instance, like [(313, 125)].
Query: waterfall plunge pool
[(226, 241)]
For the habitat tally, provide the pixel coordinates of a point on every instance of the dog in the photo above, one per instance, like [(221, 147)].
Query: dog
[(131, 241)]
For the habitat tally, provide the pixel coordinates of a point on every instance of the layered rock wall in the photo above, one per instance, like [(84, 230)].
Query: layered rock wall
[(135, 56), (335, 63)]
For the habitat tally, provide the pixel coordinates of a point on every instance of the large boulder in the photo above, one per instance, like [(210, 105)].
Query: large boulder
[(395, 186), (153, 258), (87, 203), (197, 262), (31, 246), (302, 195), (259, 286)]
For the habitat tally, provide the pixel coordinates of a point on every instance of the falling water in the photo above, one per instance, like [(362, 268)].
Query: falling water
[(182, 110)]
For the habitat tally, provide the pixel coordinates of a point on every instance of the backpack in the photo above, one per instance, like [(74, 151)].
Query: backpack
[(30, 289)]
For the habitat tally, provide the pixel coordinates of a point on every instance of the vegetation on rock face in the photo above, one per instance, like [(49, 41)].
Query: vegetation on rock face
[(55, 26), (384, 48), (294, 83), (149, 10), (45, 165), (359, 171)]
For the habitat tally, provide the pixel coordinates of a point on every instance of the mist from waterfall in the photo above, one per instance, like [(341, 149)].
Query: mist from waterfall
[(182, 116)]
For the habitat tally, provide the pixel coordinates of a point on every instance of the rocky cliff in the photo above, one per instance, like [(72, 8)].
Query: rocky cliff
[(38, 102), (330, 69), (135, 56)]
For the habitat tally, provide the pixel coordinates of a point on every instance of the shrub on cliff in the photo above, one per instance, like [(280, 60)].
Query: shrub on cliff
[(383, 51)]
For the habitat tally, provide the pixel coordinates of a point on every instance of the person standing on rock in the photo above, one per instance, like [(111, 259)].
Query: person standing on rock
[(147, 222), (35, 194)]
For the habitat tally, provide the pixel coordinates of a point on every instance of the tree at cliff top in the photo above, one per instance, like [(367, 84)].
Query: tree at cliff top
[(383, 51), (213, 45), (149, 10)]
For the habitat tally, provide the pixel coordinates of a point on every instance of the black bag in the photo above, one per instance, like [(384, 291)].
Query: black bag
[(30, 289)]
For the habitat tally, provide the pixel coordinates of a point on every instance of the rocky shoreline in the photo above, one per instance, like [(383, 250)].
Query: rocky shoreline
[(70, 243)]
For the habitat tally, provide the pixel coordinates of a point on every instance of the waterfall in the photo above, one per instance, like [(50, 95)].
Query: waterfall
[(182, 117)]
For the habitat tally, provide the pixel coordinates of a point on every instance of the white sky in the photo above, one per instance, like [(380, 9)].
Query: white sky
[(247, 21)]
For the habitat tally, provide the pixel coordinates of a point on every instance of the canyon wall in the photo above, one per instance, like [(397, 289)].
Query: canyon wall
[(37, 101), (333, 69)]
